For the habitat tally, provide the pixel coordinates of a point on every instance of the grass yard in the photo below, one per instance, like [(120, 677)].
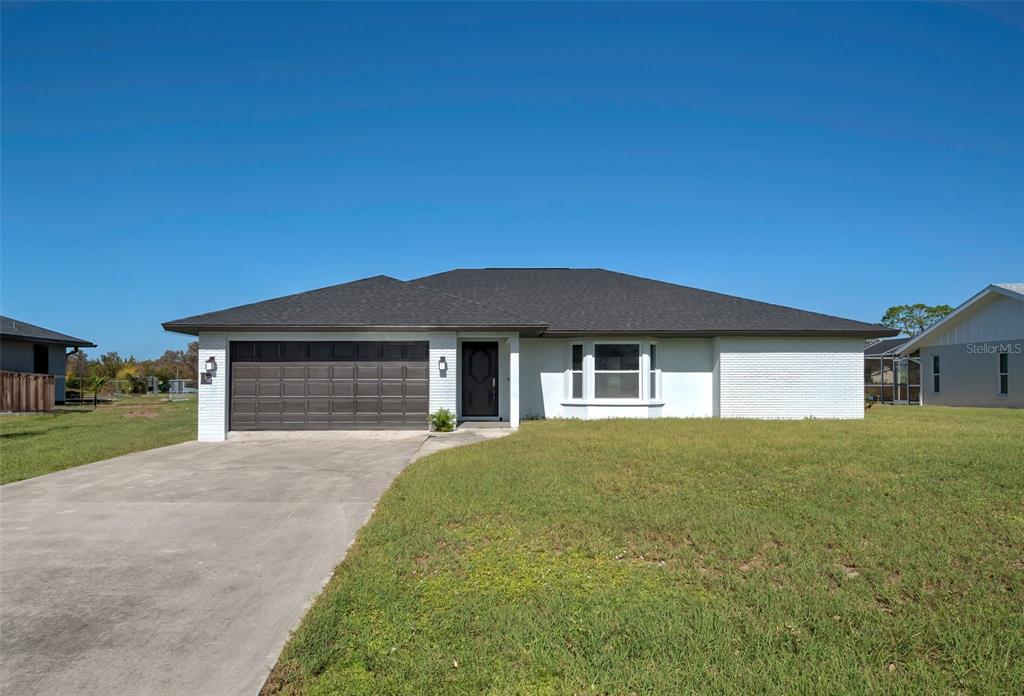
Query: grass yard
[(688, 556), (37, 444)]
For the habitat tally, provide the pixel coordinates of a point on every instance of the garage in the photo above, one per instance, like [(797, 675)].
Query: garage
[(328, 385)]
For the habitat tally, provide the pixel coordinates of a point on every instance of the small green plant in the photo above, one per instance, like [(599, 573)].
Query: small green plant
[(442, 421)]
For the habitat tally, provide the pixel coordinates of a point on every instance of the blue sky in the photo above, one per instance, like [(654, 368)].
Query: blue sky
[(164, 160)]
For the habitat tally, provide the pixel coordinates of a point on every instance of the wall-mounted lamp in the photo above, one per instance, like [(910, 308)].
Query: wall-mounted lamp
[(442, 365), (211, 365)]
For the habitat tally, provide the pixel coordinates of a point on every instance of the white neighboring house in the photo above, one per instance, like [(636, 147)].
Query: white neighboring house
[(975, 355), (506, 344)]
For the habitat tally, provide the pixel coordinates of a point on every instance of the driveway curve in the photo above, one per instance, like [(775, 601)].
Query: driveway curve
[(181, 569)]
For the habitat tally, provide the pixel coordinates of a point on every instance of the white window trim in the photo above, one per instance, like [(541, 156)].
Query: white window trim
[(1000, 374), (582, 372), (589, 372), (936, 373)]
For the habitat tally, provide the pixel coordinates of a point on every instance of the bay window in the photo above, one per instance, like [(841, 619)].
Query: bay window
[(617, 370)]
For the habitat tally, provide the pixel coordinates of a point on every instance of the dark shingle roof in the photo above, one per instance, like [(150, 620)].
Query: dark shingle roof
[(593, 300), (378, 302), (887, 346), (23, 331), (548, 301)]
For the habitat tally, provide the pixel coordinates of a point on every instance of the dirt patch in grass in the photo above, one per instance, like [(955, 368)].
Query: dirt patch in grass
[(143, 413)]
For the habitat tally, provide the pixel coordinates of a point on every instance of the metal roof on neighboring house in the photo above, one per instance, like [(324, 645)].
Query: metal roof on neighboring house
[(535, 301), (23, 331), (886, 346)]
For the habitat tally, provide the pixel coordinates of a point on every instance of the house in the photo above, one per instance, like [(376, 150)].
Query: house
[(975, 355), (504, 344), (889, 377), (28, 348)]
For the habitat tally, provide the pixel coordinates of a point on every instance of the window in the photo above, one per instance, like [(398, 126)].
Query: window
[(1004, 374), (935, 374), (40, 359), (577, 371), (654, 371), (617, 370)]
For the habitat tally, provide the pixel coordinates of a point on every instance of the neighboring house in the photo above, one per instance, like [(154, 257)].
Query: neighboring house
[(975, 355), (506, 344), (28, 348), (889, 377)]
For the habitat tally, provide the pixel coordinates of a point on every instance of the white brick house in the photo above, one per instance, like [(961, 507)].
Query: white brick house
[(507, 344)]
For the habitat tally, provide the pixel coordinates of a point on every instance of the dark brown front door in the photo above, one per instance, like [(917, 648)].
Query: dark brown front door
[(479, 379)]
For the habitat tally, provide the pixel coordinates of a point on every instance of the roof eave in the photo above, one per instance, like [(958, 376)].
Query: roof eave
[(73, 342), (819, 333)]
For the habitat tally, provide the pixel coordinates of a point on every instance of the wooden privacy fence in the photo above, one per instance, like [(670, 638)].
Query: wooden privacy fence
[(25, 391)]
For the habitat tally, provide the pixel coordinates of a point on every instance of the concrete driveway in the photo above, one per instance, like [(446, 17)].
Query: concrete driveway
[(182, 569)]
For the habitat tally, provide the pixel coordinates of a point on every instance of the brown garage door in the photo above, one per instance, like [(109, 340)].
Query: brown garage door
[(328, 385)]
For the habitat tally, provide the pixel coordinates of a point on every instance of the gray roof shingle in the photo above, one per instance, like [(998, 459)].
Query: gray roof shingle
[(537, 301), (23, 331), (375, 302), (593, 300)]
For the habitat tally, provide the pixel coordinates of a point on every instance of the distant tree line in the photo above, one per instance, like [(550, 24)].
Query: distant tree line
[(130, 373)]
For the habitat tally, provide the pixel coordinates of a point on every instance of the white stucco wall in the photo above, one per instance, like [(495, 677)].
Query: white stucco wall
[(686, 377), (790, 377), (542, 365)]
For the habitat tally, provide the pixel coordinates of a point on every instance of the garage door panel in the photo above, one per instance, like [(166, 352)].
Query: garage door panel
[(318, 371), (268, 388), (366, 388), (321, 351), (392, 405), (243, 388), (292, 406), (417, 406), (243, 406), (244, 372), (296, 385), (342, 406), (293, 388), (347, 388), (416, 388), (269, 372), (392, 371), (343, 371), (293, 372), (392, 388), (318, 388), (367, 372)]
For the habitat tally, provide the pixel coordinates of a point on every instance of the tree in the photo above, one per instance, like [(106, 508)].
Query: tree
[(109, 365), (913, 319)]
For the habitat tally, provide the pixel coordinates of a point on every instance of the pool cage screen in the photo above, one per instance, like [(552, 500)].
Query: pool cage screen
[(892, 379)]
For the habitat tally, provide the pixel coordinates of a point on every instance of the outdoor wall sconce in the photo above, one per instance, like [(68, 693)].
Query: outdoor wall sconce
[(211, 369), (442, 365)]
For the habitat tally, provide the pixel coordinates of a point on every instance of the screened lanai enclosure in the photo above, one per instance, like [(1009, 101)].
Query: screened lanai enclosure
[(890, 378)]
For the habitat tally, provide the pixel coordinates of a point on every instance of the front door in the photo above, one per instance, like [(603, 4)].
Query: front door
[(479, 379)]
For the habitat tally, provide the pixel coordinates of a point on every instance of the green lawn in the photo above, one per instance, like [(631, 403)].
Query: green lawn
[(688, 556), (32, 445)]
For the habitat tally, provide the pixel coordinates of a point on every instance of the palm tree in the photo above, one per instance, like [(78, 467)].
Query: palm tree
[(95, 384)]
